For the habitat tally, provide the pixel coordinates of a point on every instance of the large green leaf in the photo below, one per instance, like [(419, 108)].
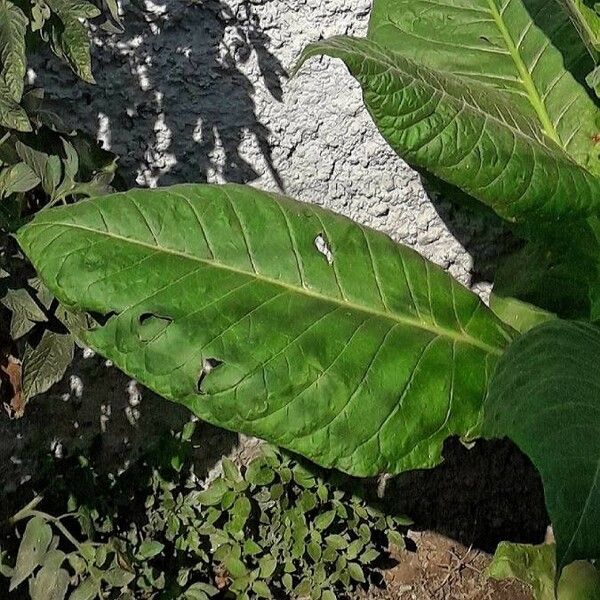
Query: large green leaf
[(545, 396), (13, 63), (558, 270), (527, 48), (471, 134), (276, 318)]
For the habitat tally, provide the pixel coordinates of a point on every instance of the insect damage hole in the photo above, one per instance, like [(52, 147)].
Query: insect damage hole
[(102, 319), (151, 326), (208, 365), (322, 245)]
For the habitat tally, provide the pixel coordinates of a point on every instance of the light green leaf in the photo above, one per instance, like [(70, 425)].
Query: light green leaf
[(324, 337), (13, 62), (535, 566), (88, 589), (17, 178), (149, 549), (470, 134), (46, 364), (579, 581), (356, 572), (520, 315), (545, 396), (33, 547), (51, 582)]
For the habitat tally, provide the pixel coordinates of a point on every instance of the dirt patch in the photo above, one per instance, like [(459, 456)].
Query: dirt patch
[(442, 569)]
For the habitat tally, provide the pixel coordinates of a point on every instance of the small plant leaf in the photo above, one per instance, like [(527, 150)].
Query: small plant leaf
[(25, 312), (71, 41), (33, 547), (51, 582), (149, 549), (362, 344), (356, 572), (17, 178), (545, 396), (46, 364)]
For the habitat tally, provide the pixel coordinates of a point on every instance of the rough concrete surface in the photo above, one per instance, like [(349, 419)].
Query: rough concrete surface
[(197, 91)]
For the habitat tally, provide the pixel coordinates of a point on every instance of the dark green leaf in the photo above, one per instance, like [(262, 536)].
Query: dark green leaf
[(214, 493), (25, 312), (13, 62), (545, 396), (46, 364), (70, 41), (12, 116)]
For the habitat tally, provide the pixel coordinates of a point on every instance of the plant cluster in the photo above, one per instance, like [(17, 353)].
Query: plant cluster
[(273, 529), (42, 162)]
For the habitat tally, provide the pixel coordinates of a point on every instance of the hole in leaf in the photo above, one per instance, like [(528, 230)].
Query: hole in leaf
[(151, 326), (322, 245), (208, 365), (102, 318)]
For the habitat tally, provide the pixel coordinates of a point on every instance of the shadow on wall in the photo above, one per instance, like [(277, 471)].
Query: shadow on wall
[(175, 92)]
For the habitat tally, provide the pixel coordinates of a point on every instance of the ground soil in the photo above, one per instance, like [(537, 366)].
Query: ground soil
[(442, 569)]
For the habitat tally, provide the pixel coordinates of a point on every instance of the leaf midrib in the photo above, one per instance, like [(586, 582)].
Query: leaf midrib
[(386, 57), (435, 329), (532, 92)]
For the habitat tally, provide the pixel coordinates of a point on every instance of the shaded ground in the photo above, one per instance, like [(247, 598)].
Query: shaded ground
[(442, 569), (478, 496)]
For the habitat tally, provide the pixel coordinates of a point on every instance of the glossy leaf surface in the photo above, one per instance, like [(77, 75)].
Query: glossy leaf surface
[(471, 134), (545, 396), (528, 48), (276, 318)]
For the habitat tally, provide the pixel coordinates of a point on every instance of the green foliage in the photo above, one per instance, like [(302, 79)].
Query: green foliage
[(544, 396), (273, 529), (535, 566), (293, 337), (494, 111), (42, 162), (325, 337)]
